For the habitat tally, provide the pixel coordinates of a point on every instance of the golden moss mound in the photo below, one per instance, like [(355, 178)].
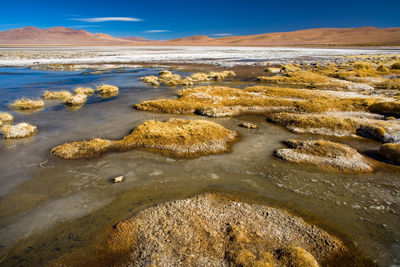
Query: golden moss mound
[(214, 230), (339, 124), (386, 108), (325, 154), (6, 117), (25, 103), (84, 91), (76, 100), (57, 95), (217, 101), (19, 130), (390, 152), (106, 90), (180, 138), (169, 79)]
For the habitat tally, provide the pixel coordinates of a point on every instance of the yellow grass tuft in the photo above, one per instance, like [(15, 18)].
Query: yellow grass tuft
[(169, 79), (19, 130), (84, 91), (181, 138), (216, 101), (57, 95), (25, 103), (296, 256), (6, 117), (395, 66), (324, 154), (106, 90), (390, 152), (386, 108), (76, 100)]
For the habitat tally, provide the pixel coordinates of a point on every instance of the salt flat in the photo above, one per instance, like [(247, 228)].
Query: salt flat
[(225, 56)]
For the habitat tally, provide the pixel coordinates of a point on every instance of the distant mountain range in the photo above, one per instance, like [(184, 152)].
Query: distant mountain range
[(323, 36)]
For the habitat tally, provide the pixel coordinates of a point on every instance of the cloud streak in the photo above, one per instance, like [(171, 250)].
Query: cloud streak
[(222, 34), (103, 19), (156, 31)]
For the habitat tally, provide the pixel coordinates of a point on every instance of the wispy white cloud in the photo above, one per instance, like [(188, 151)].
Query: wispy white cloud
[(102, 19), (156, 31), (86, 26), (221, 34)]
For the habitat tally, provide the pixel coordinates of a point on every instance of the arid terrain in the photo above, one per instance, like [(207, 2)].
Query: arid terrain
[(318, 37)]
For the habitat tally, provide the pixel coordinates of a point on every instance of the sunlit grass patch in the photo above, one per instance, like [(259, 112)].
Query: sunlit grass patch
[(181, 138), (57, 95), (25, 103)]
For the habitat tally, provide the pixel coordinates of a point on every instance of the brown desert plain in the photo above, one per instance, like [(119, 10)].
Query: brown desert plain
[(324, 36)]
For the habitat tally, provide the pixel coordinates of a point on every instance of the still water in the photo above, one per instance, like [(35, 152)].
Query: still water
[(47, 211)]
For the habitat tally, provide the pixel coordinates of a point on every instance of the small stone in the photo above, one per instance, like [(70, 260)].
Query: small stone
[(248, 125), (117, 179)]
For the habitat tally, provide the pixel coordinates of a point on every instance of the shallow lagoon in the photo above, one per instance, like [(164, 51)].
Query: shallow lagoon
[(362, 208)]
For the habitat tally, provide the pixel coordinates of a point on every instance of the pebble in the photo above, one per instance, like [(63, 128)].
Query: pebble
[(248, 125), (117, 179)]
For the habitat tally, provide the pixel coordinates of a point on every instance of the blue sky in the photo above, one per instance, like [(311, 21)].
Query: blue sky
[(168, 19)]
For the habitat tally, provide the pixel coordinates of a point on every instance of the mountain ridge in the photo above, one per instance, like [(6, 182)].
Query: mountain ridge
[(321, 36)]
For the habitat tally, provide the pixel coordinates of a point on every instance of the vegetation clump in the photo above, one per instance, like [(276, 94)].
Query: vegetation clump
[(390, 152), (84, 91), (180, 138), (340, 124), (215, 230), (386, 108), (169, 79), (19, 130), (76, 100), (217, 101), (396, 66), (106, 90), (324, 154), (26, 104), (6, 117), (57, 95)]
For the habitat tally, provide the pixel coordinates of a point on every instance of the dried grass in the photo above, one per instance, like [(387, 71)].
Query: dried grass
[(106, 90), (386, 108), (6, 117), (169, 79), (225, 101), (25, 103), (390, 152), (84, 90), (296, 256), (19, 130), (324, 154), (180, 138), (57, 95), (76, 100)]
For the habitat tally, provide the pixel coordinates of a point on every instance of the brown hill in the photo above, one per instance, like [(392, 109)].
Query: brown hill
[(325, 36), (57, 36)]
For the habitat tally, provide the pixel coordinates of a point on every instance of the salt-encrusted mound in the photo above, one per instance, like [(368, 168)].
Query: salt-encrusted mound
[(390, 152), (181, 138), (214, 230), (19, 130), (325, 154)]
